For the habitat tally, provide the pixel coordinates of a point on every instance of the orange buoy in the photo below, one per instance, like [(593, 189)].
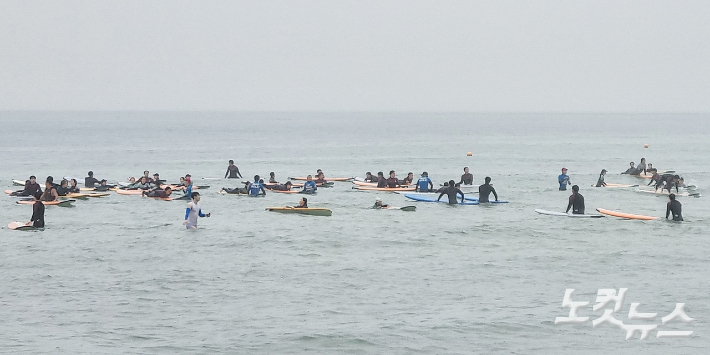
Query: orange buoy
[(645, 145), (469, 154)]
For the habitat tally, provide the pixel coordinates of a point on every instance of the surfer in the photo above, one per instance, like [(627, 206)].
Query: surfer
[(188, 186), (272, 178), (651, 169), (146, 175), (674, 206), (424, 184), (232, 171), (159, 193), (90, 181), (576, 201), (641, 167), (193, 210), (103, 187), (73, 189), (485, 190), (320, 178), (452, 191), (309, 187), (600, 181), (37, 219), (302, 203), (563, 179), (50, 192), (32, 187), (141, 184), (392, 181), (378, 204), (255, 187), (466, 178), (408, 180), (282, 187), (381, 181), (631, 170), (369, 177), (238, 190), (63, 188)]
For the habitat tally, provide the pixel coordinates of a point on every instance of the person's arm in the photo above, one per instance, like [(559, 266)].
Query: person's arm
[(571, 198), (651, 182), (262, 189), (416, 188), (239, 174), (676, 187), (442, 194), (460, 193), (668, 209), (199, 213), (494, 193), (431, 185), (56, 195), (187, 212), (227, 173)]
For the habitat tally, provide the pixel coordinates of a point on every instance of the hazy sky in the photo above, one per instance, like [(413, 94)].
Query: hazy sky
[(356, 55)]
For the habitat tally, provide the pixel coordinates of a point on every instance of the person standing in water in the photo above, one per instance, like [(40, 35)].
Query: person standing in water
[(485, 190), (37, 219), (50, 192), (600, 181), (674, 207), (576, 201), (563, 179), (452, 191), (466, 178), (91, 181), (232, 171), (193, 211)]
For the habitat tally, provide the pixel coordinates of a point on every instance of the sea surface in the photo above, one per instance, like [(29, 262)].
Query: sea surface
[(121, 275)]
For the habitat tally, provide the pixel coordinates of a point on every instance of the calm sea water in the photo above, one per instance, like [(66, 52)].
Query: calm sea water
[(121, 275)]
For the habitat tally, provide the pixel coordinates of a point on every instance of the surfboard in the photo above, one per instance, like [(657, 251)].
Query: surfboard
[(161, 198), (20, 226), (47, 203), (422, 198), (308, 211), (94, 189), (553, 213), (625, 215), (287, 192), (616, 185), (18, 182), (405, 208), (130, 192), (393, 189), (666, 193), (326, 179)]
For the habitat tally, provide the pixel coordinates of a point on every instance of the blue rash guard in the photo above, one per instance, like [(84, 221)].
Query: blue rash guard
[(309, 187), (563, 179), (255, 187), (188, 191), (423, 184)]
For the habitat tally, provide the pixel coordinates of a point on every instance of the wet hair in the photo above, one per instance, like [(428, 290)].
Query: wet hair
[(425, 174), (488, 179), (256, 177), (305, 200), (391, 172), (50, 179), (188, 176), (464, 168), (288, 183), (38, 195), (672, 197), (64, 181), (271, 173), (145, 171), (33, 177), (74, 181), (103, 180), (452, 183), (446, 183), (368, 173), (379, 173), (676, 176), (643, 160), (575, 188), (168, 189), (91, 173), (156, 174), (261, 181), (231, 161), (192, 195)]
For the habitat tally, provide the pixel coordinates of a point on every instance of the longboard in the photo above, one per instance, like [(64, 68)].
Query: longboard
[(432, 199), (625, 215), (326, 179), (308, 211), (405, 208), (562, 214), (47, 203), (19, 226), (392, 189)]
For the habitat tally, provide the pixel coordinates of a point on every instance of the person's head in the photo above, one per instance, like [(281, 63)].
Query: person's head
[(379, 173), (64, 183), (319, 171), (144, 180), (132, 180), (73, 182), (156, 176), (368, 174), (146, 173), (321, 175), (103, 182), (676, 177), (465, 170), (457, 185), (392, 174), (182, 179), (446, 184), (410, 174), (309, 178), (38, 195), (643, 160), (452, 183), (631, 164), (603, 172), (272, 174), (188, 180), (564, 170), (650, 165), (425, 174), (256, 178), (49, 181), (91, 174), (378, 201), (288, 184), (231, 162), (303, 202), (27, 182), (575, 188), (488, 179), (195, 196), (33, 179), (671, 197), (261, 181)]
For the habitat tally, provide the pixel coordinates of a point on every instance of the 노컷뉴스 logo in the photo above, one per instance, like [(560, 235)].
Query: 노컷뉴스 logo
[(605, 297)]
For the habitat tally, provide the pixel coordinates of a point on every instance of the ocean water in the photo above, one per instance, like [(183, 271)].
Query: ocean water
[(120, 274)]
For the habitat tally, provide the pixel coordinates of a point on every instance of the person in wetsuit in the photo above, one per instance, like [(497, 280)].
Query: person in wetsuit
[(600, 181), (37, 219), (485, 190), (320, 178), (378, 204), (641, 168), (193, 211), (369, 177), (651, 169), (631, 170), (563, 179), (667, 182), (141, 184), (32, 187), (232, 171), (424, 184), (674, 207), (381, 181), (255, 187), (393, 181), (576, 201), (73, 188), (90, 181), (302, 203), (50, 192), (63, 188), (282, 187), (309, 187), (272, 178), (24, 191), (146, 175), (103, 187), (159, 193), (408, 180), (466, 178), (452, 191)]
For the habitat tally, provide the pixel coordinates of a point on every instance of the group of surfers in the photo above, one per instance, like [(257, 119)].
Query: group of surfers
[(258, 186)]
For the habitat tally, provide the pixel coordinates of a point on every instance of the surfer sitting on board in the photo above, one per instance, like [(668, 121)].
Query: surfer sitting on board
[(63, 188), (381, 181), (50, 192), (576, 201), (651, 169), (424, 184), (90, 181), (73, 188), (393, 181), (631, 170), (485, 190), (256, 187), (600, 181), (452, 191), (408, 180), (272, 178)]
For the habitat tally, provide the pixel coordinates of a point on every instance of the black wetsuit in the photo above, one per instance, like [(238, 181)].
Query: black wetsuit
[(381, 182), (600, 182), (74, 189), (466, 179), (62, 191), (371, 179), (452, 192), (233, 172), (484, 191), (103, 188), (47, 195), (31, 189), (392, 182), (576, 201), (279, 187), (674, 207), (157, 193), (236, 191), (91, 181), (38, 215)]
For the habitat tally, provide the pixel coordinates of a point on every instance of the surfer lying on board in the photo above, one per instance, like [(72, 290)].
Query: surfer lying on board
[(309, 187), (320, 178), (282, 187), (23, 192), (237, 190), (393, 181), (232, 171), (485, 190), (424, 184), (600, 181), (369, 177), (141, 184), (193, 211), (302, 203), (408, 180), (378, 204), (576, 201), (674, 207), (452, 191), (50, 192), (158, 193), (466, 178)]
